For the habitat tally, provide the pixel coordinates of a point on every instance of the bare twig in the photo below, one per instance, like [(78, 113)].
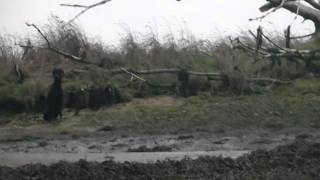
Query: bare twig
[(74, 5), (132, 74), (303, 36), (255, 37), (241, 45), (26, 46), (268, 13), (40, 32), (86, 8), (273, 43), (252, 34)]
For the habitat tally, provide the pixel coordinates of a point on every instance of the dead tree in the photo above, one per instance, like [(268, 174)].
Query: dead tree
[(268, 49), (307, 9)]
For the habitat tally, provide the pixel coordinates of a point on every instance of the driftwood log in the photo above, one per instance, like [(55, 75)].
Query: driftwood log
[(210, 75)]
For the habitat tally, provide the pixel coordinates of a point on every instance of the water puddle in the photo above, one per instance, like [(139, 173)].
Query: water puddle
[(15, 159)]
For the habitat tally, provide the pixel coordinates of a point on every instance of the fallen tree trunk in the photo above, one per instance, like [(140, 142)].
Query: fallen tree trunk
[(211, 75), (163, 71), (308, 10), (267, 81)]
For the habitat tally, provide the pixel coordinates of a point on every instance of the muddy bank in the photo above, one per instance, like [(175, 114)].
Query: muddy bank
[(20, 159), (300, 160)]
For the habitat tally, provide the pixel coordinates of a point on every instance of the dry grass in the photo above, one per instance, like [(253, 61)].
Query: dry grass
[(136, 51)]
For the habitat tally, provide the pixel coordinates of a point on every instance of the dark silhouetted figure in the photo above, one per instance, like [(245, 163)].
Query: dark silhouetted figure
[(183, 83), (54, 100), (19, 74), (109, 95)]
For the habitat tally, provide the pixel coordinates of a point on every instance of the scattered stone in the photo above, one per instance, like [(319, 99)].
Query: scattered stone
[(106, 128), (303, 136), (64, 132), (315, 125), (120, 145), (75, 136), (262, 141), (185, 137), (93, 147), (221, 141), (109, 158), (113, 139), (276, 126), (43, 144), (220, 130), (153, 149)]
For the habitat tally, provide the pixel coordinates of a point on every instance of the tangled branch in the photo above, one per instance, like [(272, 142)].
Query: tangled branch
[(56, 50), (276, 51), (86, 8)]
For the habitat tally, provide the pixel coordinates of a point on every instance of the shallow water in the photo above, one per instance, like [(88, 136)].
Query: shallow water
[(15, 159)]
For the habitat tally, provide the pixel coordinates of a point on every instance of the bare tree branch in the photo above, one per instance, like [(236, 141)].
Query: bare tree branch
[(270, 12), (273, 43), (86, 8), (314, 4), (294, 6), (40, 32), (74, 5), (58, 51), (279, 53), (133, 75), (303, 36)]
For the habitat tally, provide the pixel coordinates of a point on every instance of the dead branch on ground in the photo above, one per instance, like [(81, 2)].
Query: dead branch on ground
[(212, 75)]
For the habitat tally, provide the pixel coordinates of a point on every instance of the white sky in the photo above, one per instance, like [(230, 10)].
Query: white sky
[(203, 18)]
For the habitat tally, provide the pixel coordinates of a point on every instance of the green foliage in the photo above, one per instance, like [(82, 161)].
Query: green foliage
[(305, 86)]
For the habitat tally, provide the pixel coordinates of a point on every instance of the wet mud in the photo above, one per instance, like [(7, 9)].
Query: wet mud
[(298, 160), (289, 153)]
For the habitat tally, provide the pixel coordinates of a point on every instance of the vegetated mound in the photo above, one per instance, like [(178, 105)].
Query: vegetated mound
[(300, 160)]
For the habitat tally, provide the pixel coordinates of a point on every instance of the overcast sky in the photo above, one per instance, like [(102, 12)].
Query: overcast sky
[(203, 18)]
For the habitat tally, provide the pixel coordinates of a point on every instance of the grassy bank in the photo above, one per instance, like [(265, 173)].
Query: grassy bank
[(137, 51), (287, 106), (297, 103)]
